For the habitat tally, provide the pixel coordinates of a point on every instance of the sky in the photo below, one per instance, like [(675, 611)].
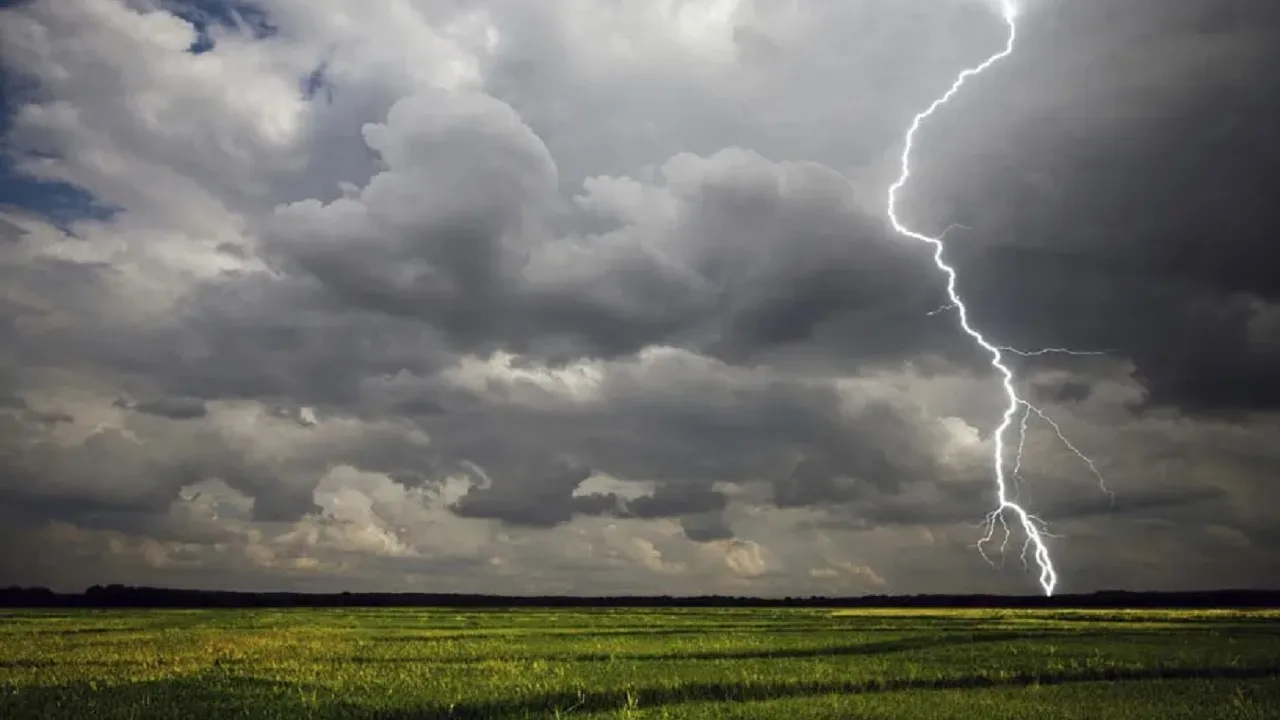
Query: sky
[(581, 297)]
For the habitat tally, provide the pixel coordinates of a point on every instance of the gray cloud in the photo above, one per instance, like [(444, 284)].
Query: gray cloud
[(540, 497), (507, 305), (173, 408), (50, 417), (13, 402)]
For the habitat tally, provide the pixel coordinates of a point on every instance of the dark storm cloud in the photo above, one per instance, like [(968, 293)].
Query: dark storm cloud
[(812, 482), (699, 509), (1062, 390), (706, 527), (1156, 503), (541, 497), (786, 253), (890, 452), (764, 251), (173, 408), (54, 313), (50, 417), (278, 341), (13, 402), (766, 254), (9, 232), (1104, 220), (685, 425), (969, 501), (670, 501), (105, 472), (471, 169)]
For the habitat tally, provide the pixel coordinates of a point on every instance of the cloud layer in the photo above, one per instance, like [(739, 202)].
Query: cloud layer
[(559, 297)]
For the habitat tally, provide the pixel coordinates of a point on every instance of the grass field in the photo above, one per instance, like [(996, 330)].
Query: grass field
[(434, 663)]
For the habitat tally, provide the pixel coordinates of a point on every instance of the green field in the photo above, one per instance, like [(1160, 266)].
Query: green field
[(742, 663)]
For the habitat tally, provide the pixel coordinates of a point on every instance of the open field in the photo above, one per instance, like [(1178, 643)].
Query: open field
[(739, 663)]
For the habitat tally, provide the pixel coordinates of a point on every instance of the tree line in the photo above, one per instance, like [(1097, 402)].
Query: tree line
[(125, 596)]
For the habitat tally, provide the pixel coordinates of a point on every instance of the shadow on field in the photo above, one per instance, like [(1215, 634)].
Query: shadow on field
[(190, 697), (197, 698), (883, 647), (95, 630), (603, 701), (570, 632)]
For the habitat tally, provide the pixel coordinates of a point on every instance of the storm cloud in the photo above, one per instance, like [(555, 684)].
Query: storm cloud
[(538, 297)]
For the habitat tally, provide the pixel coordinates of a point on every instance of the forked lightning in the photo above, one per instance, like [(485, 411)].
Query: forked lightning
[(1032, 527)]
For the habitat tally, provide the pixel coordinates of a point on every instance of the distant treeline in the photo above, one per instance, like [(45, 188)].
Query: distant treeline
[(122, 596)]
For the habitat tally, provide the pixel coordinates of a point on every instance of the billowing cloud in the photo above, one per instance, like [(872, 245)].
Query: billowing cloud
[(566, 297)]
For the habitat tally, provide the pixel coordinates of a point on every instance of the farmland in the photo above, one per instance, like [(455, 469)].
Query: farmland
[(401, 663)]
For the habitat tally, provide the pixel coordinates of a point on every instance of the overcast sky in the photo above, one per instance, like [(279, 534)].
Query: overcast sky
[(575, 296)]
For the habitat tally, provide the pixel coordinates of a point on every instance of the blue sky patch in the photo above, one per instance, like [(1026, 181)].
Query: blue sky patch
[(59, 202), (207, 14), (63, 203)]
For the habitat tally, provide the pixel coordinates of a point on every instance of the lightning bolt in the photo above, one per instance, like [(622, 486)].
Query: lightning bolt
[(1050, 351), (1057, 429), (1033, 527)]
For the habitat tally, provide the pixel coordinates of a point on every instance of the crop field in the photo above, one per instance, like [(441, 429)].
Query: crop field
[(398, 664)]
